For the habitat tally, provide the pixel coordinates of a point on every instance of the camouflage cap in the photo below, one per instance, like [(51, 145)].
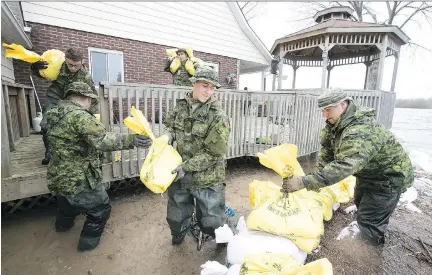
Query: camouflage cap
[(80, 88), (207, 74), (332, 97)]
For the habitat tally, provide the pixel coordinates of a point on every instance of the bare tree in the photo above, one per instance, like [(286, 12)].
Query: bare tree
[(251, 10)]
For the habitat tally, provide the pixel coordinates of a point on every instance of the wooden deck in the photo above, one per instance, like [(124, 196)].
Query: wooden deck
[(28, 174)]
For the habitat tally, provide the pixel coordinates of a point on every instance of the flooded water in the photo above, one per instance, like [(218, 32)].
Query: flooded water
[(414, 128)]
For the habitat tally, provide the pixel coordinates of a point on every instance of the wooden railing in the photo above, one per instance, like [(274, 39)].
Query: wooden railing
[(259, 120), (18, 109)]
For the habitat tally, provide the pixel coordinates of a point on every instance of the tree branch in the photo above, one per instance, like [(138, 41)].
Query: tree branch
[(420, 8), (404, 6), (419, 46)]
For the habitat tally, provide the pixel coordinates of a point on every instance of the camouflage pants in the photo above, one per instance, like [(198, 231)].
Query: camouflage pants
[(210, 211), (49, 103), (374, 208), (94, 204)]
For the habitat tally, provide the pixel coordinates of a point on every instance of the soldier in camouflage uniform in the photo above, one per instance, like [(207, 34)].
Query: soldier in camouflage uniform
[(181, 76), (72, 70), (74, 174), (200, 128), (353, 143)]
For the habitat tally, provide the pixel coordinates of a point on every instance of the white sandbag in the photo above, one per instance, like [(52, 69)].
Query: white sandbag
[(213, 268), (350, 231), (223, 234), (408, 196), (255, 242), (351, 209), (234, 269), (411, 207)]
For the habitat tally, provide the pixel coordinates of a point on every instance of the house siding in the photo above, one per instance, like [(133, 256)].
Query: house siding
[(163, 23), (7, 68), (143, 62)]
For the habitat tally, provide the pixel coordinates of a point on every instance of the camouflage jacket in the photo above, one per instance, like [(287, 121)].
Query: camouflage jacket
[(357, 145), (75, 139), (181, 76), (201, 132), (58, 87)]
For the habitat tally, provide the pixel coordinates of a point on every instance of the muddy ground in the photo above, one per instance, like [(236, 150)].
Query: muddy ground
[(137, 239)]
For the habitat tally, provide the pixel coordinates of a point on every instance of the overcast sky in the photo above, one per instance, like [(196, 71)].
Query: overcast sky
[(275, 20)]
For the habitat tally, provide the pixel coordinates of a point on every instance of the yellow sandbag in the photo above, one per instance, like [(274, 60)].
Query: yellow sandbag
[(158, 164), (190, 68), (97, 116), (322, 201), (267, 263), (342, 191), (138, 124), (260, 191), (306, 244), (282, 159), (175, 65), (19, 52), (171, 52), (55, 60), (287, 215), (189, 52), (318, 267)]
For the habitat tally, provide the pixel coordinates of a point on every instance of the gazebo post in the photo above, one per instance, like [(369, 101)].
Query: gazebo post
[(383, 48), (329, 68), (280, 69), (295, 67), (368, 64), (325, 51), (395, 69)]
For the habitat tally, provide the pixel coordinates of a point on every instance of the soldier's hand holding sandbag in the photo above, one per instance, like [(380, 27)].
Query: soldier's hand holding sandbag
[(39, 65), (180, 173), (142, 141)]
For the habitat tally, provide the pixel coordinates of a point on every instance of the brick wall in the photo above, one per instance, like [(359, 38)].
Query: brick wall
[(143, 62)]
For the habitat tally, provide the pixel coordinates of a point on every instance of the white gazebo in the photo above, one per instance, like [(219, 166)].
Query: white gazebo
[(337, 40)]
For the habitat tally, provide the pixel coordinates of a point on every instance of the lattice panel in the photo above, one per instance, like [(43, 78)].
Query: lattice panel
[(355, 39), (303, 44), (26, 204), (35, 202)]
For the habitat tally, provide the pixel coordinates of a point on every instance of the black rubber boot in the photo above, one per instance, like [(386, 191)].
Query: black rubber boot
[(64, 224), (93, 227), (178, 239), (47, 158), (66, 213)]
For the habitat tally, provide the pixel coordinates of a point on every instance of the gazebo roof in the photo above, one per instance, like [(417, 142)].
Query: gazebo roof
[(342, 26)]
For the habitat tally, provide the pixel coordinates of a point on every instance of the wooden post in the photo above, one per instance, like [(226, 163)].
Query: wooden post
[(382, 57), (328, 75), (325, 51), (263, 80), (238, 74), (32, 104), (395, 70), (7, 113), (280, 74), (274, 83), (6, 166), (295, 68), (367, 63), (23, 113)]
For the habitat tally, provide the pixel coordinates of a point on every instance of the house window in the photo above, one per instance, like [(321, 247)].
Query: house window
[(213, 65), (106, 65)]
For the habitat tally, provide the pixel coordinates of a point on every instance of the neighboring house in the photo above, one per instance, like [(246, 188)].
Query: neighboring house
[(12, 31), (126, 41)]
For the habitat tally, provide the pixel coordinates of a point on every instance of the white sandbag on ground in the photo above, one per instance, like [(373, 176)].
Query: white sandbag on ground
[(255, 242), (349, 232), (213, 268)]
